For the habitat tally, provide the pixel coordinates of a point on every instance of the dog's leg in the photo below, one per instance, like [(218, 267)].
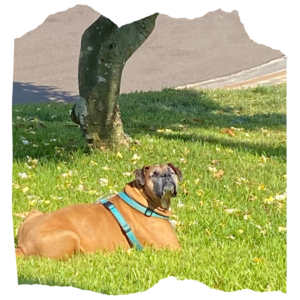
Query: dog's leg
[(58, 244), (19, 252)]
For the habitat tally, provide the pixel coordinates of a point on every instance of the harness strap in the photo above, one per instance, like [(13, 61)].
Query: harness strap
[(124, 225), (146, 211)]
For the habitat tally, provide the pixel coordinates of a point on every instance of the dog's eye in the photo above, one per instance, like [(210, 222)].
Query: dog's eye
[(155, 174)]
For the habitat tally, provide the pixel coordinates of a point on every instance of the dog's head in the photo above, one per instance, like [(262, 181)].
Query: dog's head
[(159, 182)]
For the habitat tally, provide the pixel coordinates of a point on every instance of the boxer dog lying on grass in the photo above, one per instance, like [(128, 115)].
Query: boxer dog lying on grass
[(137, 217)]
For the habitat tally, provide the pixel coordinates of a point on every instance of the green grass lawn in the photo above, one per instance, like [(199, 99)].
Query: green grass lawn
[(230, 212)]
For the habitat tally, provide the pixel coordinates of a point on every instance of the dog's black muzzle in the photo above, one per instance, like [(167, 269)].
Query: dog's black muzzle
[(165, 184)]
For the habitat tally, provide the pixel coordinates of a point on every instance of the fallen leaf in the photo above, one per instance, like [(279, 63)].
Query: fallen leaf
[(22, 215), (127, 174), (185, 191), (230, 132), (200, 192), (183, 160), (219, 174), (215, 161), (40, 124), (135, 158), (197, 120), (103, 149), (25, 189)]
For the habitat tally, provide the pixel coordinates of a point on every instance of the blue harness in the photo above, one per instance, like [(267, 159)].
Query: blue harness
[(124, 225)]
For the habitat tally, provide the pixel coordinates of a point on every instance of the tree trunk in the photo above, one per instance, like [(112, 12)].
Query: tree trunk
[(105, 48)]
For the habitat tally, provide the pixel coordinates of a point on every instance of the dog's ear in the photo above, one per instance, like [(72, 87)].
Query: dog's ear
[(176, 170), (140, 174)]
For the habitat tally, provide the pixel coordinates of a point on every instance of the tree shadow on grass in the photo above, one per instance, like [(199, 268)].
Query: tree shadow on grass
[(171, 107), (145, 112), (257, 148)]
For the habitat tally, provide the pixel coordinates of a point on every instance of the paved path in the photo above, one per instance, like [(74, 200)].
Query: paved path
[(212, 51)]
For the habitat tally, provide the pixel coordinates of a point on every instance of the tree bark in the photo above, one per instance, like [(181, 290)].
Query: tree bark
[(105, 48)]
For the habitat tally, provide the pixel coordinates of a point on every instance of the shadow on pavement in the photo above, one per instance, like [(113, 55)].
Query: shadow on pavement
[(26, 92)]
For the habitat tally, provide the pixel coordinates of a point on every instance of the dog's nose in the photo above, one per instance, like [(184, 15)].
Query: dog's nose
[(167, 175)]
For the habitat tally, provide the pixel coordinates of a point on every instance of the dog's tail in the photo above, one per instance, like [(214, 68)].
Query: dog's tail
[(19, 252)]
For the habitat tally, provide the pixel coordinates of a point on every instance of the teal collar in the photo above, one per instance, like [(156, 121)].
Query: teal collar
[(146, 211)]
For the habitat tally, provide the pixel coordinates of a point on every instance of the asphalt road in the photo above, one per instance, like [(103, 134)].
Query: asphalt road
[(179, 52)]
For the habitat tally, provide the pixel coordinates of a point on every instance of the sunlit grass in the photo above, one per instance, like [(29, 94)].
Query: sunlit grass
[(230, 213)]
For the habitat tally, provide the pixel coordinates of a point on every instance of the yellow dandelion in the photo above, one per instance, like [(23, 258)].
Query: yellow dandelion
[(212, 169), (92, 192), (261, 187), (263, 159), (200, 192), (32, 202), (193, 223), (269, 200), (257, 260), (135, 158), (119, 155), (129, 251), (241, 231)]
